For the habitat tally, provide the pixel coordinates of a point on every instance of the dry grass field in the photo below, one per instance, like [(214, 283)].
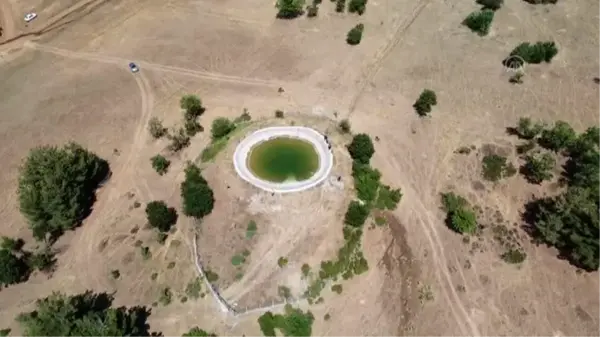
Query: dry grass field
[(65, 77)]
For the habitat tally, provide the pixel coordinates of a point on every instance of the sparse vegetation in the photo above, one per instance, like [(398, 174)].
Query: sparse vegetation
[(284, 292), (517, 78), (312, 10), (538, 167), (526, 129), (10, 244), (237, 260), (480, 21), (340, 5), (196, 331), (194, 288), (166, 296), (156, 128), (160, 164), (426, 100), (179, 140), (425, 293), (305, 270), (355, 34), (56, 188), (145, 251), (198, 197), (43, 260), (160, 216)]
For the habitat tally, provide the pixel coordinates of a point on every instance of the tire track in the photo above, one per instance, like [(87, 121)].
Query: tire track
[(383, 52), (154, 66)]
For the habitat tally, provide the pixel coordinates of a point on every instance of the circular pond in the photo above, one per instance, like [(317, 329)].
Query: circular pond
[(283, 159)]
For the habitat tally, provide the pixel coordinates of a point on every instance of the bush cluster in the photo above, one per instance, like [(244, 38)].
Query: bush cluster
[(357, 6), (533, 53), (426, 100), (160, 164), (293, 322), (56, 188), (538, 167), (495, 167), (289, 9), (460, 217), (198, 197)]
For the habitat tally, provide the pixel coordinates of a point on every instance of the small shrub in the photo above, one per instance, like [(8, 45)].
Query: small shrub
[(463, 150), (305, 270), (138, 243), (541, 2), (491, 4), (357, 6), (284, 292), (192, 106), (194, 288), (327, 317), (282, 262), (380, 221), (517, 78), (251, 229), (115, 274), (355, 35), (344, 126), (154, 276), (171, 265), (356, 215), (464, 221), (221, 127), (195, 331), (312, 11), (425, 293), (161, 237), (183, 299), (156, 128), (166, 296), (361, 148), (340, 5), (494, 167), (211, 276), (160, 216), (514, 256), (192, 127), (160, 164), (145, 251), (237, 260), (426, 100), (43, 260), (289, 9), (538, 167), (526, 129), (480, 21), (337, 288), (278, 114), (525, 147), (4, 332), (179, 140), (243, 118)]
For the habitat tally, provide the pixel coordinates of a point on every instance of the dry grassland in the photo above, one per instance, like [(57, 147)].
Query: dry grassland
[(65, 77)]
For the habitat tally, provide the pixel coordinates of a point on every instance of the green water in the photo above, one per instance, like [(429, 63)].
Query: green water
[(282, 159)]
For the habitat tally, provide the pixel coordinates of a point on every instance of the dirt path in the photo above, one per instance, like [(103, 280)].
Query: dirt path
[(154, 66)]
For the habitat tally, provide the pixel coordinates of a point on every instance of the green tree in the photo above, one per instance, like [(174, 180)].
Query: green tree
[(293, 322), (192, 106), (357, 6), (12, 268), (532, 53), (526, 129), (160, 164), (357, 214), (491, 4), (538, 167), (196, 331), (480, 21), (289, 9), (361, 148), (160, 216), (198, 197), (463, 221), (355, 34), (56, 188), (86, 314), (221, 127), (366, 181), (426, 100), (560, 137)]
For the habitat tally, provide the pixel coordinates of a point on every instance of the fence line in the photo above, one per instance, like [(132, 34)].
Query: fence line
[(223, 304)]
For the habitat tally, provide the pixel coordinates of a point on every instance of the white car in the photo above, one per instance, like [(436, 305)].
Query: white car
[(30, 16)]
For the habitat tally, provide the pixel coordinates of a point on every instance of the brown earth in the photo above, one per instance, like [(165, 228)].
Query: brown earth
[(65, 77)]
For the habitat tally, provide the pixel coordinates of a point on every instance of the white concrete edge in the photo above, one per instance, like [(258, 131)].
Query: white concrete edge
[(307, 134)]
